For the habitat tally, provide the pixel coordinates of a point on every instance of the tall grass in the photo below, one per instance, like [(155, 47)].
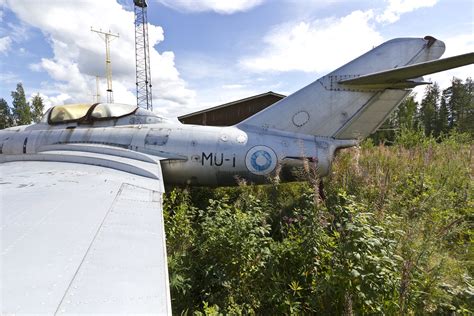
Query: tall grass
[(393, 236)]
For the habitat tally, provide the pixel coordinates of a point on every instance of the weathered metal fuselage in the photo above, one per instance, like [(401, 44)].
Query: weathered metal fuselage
[(189, 154), (337, 106)]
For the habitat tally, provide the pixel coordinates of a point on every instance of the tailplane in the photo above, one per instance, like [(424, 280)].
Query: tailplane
[(352, 101)]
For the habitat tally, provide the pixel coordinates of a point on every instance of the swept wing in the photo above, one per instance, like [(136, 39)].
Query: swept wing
[(82, 233)]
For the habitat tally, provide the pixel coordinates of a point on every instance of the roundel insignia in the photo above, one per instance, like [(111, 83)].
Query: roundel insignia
[(261, 160)]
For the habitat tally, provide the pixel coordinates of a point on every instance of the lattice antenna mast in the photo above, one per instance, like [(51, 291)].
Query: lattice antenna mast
[(142, 56), (107, 37)]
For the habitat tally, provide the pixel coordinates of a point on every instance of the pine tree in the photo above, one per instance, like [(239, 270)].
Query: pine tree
[(37, 108), (467, 122), (21, 108), (428, 109), (444, 116), (460, 105), (6, 117)]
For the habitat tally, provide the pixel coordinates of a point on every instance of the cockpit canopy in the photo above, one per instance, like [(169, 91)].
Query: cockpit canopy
[(84, 112)]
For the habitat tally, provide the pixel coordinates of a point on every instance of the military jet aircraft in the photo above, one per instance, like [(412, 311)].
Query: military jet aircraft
[(82, 226)]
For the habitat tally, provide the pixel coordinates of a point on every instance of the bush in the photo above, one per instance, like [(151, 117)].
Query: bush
[(392, 237)]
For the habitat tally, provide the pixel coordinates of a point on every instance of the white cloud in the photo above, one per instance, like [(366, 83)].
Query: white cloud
[(19, 32), (223, 7), (459, 44), (316, 46), (5, 44), (324, 44), (9, 78), (79, 54), (398, 7), (233, 86), (49, 101)]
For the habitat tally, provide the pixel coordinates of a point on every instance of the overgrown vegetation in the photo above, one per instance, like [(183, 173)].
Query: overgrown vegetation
[(439, 112), (392, 237)]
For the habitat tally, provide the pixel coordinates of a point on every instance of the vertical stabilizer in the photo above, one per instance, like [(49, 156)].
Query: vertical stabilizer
[(327, 107)]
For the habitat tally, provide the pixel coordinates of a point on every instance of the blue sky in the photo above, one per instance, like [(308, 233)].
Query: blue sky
[(208, 52)]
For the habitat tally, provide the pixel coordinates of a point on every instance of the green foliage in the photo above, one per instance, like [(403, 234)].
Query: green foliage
[(428, 109), (6, 117), (439, 114), (37, 108), (392, 237), (460, 101), (21, 113), (412, 138), (21, 108)]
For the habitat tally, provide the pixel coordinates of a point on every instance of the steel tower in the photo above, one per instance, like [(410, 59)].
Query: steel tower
[(142, 56)]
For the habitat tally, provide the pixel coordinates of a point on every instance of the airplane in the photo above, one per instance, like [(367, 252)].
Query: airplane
[(81, 191)]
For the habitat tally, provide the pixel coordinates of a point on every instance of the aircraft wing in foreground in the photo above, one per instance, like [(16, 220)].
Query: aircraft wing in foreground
[(80, 238), (82, 225)]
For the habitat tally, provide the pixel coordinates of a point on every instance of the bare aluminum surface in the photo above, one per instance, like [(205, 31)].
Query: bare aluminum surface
[(334, 109)]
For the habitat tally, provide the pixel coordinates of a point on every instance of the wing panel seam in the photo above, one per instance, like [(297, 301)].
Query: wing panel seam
[(89, 248)]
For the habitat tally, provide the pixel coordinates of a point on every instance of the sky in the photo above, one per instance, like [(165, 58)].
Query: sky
[(208, 52)]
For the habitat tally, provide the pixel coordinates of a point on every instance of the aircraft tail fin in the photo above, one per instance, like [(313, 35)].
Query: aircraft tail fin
[(355, 99)]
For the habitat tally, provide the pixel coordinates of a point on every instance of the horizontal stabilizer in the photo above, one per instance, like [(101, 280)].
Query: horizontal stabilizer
[(399, 77)]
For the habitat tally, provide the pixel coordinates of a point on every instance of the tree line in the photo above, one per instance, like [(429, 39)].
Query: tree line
[(21, 112), (440, 112)]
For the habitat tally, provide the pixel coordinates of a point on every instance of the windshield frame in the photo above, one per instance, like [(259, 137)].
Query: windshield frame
[(87, 118), (66, 107), (91, 117)]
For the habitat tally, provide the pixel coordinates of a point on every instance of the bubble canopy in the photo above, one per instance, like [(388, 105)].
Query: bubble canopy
[(87, 112)]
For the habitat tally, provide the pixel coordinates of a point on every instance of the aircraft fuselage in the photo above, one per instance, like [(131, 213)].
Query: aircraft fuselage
[(189, 154)]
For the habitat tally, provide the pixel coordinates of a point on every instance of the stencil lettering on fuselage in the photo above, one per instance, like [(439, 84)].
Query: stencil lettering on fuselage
[(261, 160), (217, 159)]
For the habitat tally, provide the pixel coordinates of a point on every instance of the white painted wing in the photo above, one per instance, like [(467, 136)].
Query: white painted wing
[(81, 238)]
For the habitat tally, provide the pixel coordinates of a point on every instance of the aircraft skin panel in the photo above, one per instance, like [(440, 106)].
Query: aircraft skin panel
[(81, 239)]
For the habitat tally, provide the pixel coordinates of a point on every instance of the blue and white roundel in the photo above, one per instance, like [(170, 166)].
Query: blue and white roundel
[(261, 160)]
